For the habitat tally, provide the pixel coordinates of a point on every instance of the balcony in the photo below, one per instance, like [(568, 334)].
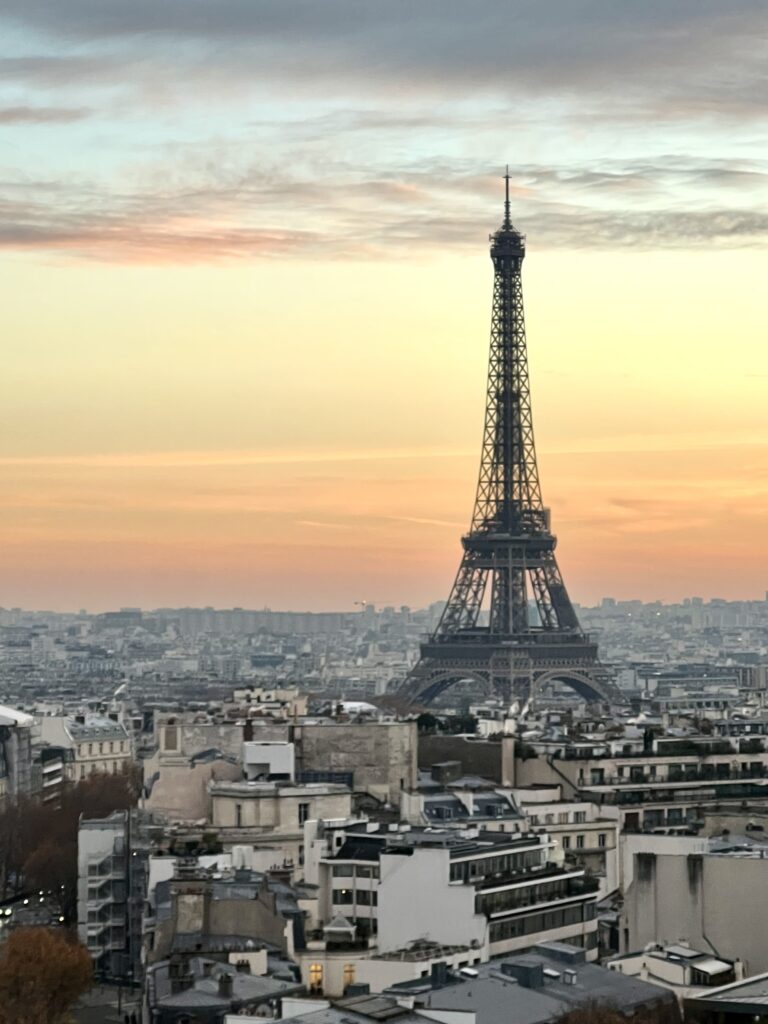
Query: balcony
[(707, 773), (509, 900), (521, 875)]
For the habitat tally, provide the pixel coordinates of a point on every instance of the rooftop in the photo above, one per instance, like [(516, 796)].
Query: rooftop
[(460, 843), (539, 986)]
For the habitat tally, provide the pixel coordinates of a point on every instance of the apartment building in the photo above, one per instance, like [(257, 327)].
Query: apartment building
[(112, 859), (15, 753), (660, 783), (91, 743), (489, 890)]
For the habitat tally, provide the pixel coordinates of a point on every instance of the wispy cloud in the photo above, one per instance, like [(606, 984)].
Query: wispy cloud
[(42, 115), (670, 203)]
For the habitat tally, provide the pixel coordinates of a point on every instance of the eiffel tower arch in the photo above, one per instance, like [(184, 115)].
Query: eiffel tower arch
[(508, 562)]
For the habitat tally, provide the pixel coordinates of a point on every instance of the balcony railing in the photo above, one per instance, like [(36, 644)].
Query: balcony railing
[(521, 899), (521, 875), (700, 775)]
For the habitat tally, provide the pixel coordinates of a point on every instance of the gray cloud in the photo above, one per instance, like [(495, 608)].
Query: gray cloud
[(42, 115), (695, 57)]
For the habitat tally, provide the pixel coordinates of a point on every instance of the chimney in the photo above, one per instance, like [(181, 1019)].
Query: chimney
[(179, 975), (439, 976), (225, 985)]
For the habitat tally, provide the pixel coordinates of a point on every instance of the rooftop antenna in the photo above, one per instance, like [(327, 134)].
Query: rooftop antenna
[(507, 221)]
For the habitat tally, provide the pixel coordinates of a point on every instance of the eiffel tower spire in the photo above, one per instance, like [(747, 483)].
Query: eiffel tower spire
[(489, 628)]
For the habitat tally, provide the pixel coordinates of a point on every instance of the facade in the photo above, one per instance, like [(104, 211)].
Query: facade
[(210, 911), (686, 972), (374, 758), (111, 887), (704, 893), (91, 743), (491, 891), (15, 753), (584, 833), (664, 784), (380, 756), (274, 813)]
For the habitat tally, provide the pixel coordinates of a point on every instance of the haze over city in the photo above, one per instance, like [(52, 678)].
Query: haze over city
[(246, 291)]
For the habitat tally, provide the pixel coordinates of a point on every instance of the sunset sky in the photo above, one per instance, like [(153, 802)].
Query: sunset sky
[(246, 292)]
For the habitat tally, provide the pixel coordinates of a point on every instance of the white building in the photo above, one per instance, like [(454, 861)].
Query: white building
[(92, 743), (686, 972), (487, 890), (15, 753)]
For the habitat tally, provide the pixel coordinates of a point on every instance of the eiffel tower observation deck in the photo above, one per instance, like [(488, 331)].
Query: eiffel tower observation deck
[(509, 622)]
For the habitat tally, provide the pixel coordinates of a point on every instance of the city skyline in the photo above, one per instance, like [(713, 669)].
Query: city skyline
[(253, 367)]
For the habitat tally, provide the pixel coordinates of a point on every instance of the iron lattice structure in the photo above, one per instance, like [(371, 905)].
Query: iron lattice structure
[(509, 621)]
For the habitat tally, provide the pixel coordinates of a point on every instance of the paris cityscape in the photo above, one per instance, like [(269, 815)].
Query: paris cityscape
[(356, 666)]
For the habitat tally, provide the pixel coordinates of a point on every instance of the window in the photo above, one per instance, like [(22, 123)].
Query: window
[(342, 871), (238, 815), (342, 896), (566, 842), (171, 737), (349, 975), (531, 923), (315, 978), (580, 842), (364, 897), (303, 813), (90, 749), (580, 817), (602, 839)]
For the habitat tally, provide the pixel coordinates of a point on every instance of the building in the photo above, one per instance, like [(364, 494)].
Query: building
[(539, 986), (111, 887), (700, 892), (652, 783), (491, 891), (741, 1002), (374, 758), (15, 753), (584, 833), (686, 972), (213, 911), (274, 813), (380, 756), (203, 990), (91, 743), (542, 984)]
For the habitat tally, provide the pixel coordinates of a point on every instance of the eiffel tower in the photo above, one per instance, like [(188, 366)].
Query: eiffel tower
[(514, 645)]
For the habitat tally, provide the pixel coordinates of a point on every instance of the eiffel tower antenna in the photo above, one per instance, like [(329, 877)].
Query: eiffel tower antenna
[(507, 221), (509, 621)]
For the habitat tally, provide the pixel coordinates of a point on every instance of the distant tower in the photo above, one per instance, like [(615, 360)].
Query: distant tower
[(509, 552)]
